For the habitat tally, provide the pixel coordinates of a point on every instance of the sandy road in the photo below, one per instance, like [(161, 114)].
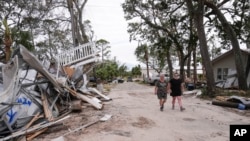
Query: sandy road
[(136, 117)]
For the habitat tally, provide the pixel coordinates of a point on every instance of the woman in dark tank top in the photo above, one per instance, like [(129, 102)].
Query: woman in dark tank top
[(175, 88)]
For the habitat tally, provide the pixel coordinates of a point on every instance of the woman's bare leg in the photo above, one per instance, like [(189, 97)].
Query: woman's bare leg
[(180, 103), (173, 102)]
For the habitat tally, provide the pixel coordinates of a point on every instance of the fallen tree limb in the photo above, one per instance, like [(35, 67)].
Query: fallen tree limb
[(225, 104), (229, 104)]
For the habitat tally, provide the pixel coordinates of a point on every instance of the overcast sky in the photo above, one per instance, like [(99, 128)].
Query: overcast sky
[(107, 20)]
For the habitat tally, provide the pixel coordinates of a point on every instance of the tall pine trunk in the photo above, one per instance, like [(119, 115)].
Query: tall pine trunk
[(198, 20), (242, 80)]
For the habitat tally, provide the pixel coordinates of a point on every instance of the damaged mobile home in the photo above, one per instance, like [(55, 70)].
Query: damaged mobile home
[(33, 89), (224, 69)]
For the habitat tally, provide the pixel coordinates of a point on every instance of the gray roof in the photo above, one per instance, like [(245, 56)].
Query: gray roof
[(245, 51)]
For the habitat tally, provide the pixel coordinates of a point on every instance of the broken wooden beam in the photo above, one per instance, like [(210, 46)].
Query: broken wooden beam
[(47, 112), (76, 105), (84, 98), (32, 136), (99, 93), (36, 117), (32, 129)]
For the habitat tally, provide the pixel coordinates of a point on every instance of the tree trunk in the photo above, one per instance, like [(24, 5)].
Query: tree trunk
[(198, 20), (146, 57), (236, 48), (170, 66), (194, 66), (188, 72), (182, 64), (71, 11), (7, 53), (7, 42), (84, 37)]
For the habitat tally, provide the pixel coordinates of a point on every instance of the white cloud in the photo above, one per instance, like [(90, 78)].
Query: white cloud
[(107, 20)]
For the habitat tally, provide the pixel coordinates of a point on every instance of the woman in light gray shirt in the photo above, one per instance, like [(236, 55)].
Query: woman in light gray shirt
[(161, 91)]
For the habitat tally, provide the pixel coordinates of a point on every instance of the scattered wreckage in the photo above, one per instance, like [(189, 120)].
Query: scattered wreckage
[(239, 102), (43, 93)]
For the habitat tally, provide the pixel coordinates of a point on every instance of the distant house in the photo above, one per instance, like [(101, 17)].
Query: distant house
[(199, 71), (176, 68), (224, 68), (151, 72)]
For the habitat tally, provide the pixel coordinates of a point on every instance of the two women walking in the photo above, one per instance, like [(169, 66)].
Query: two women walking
[(175, 87)]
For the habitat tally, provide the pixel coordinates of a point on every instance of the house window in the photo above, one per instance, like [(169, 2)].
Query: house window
[(225, 73), (222, 73)]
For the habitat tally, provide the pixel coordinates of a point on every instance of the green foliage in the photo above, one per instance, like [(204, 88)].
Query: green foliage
[(107, 70), (7, 31), (122, 70), (45, 23), (205, 94), (141, 52), (136, 71), (22, 37)]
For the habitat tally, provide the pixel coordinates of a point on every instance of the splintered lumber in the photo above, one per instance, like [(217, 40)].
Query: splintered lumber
[(90, 101), (32, 129), (104, 118), (32, 120), (69, 71), (31, 137), (79, 128), (35, 63), (76, 105), (46, 109), (84, 98), (99, 93), (30, 123), (61, 138)]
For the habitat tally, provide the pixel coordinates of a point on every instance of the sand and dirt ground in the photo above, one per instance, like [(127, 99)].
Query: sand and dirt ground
[(136, 117)]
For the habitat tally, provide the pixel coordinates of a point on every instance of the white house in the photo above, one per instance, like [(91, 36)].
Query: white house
[(224, 68)]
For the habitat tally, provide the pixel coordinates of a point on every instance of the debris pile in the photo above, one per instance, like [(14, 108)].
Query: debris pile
[(239, 102), (35, 95)]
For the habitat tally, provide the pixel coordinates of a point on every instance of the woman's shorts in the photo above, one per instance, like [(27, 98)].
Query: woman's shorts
[(175, 94), (162, 95)]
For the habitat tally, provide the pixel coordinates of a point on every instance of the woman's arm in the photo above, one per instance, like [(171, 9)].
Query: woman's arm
[(182, 86), (169, 87)]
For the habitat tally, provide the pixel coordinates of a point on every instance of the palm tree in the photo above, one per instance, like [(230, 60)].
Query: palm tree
[(7, 40)]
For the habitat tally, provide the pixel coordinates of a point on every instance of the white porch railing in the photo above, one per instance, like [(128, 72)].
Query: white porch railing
[(78, 54)]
